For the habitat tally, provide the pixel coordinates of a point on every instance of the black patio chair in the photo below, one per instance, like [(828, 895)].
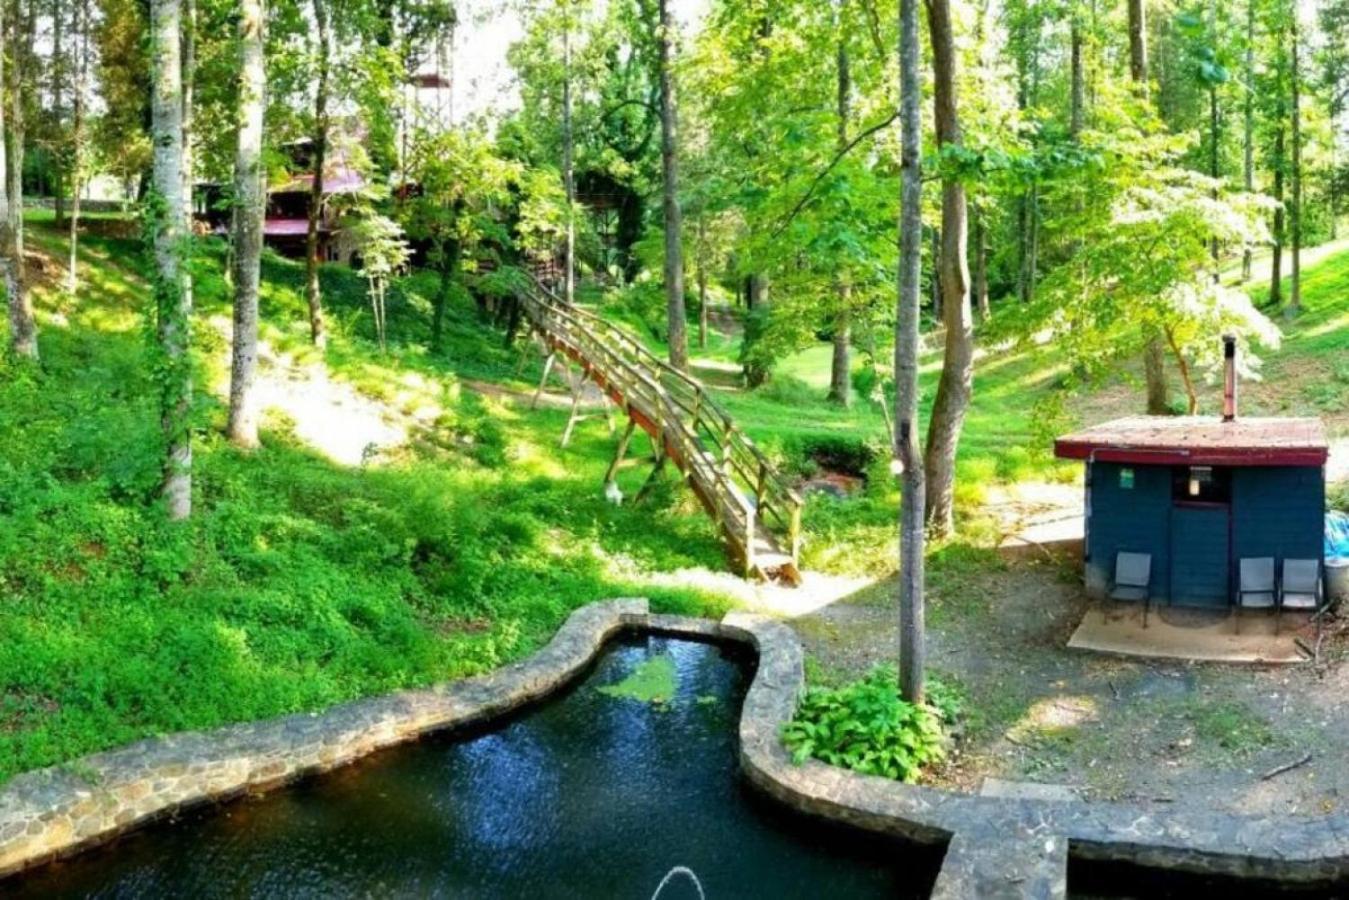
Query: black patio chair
[(1133, 580)]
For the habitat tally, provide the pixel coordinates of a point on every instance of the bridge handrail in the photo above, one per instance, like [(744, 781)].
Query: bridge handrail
[(709, 427)]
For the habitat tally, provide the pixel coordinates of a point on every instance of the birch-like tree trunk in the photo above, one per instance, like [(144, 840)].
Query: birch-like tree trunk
[(1295, 211), (910, 456), (77, 156), (168, 209), (313, 292), (669, 150), (957, 374), (249, 204), (22, 324), (840, 372), (568, 173), (1248, 136), (1276, 261), (58, 69)]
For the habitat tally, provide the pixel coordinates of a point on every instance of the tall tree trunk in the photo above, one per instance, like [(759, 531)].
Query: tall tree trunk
[(568, 175), (313, 291), (58, 89), (911, 628), (1138, 48), (702, 280), (1214, 126), (980, 267), (936, 274), (840, 371), (669, 149), (957, 374), (22, 324), (249, 203), (1077, 78), (1248, 136), (188, 49), (1276, 262), (1154, 353), (77, 140), (168, 211), (1295, 212), (1030, 224)]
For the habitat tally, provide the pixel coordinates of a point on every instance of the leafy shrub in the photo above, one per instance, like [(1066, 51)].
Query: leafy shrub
[(865, 726)]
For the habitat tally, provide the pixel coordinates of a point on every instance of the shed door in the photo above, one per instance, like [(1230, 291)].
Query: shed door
[(1201, 536)]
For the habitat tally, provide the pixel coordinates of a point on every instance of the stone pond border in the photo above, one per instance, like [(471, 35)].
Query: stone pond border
[(996, 847)]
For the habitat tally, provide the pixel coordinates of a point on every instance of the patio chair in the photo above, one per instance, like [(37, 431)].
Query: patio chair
[(1256, 589), (1133, 580), (1300, 588)]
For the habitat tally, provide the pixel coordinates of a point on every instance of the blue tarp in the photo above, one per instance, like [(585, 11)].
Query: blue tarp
[(1337, 535)]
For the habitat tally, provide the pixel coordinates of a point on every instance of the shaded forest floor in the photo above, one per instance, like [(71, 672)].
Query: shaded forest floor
[(443, 531)]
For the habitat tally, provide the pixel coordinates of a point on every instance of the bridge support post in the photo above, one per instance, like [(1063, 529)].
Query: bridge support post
[(661, 457), (547, 368), (620, 453)]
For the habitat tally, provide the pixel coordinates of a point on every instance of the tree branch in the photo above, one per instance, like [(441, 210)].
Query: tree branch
[(819, 177)]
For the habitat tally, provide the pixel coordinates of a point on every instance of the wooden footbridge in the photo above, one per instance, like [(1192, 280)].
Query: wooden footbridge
[(757, 511)]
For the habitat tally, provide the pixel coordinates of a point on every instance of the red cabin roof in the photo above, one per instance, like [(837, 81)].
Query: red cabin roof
[(1199, 440)]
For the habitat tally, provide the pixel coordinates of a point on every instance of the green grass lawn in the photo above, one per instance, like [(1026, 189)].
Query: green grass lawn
[(300, 582)]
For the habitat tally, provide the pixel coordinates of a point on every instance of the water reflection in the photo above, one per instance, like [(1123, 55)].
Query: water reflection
[(587, 796)]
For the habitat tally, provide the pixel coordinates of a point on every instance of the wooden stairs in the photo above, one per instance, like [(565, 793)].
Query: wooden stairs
[(757, 511)]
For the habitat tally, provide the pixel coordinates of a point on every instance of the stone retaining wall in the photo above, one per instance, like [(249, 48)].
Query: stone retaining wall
[(996, 846)]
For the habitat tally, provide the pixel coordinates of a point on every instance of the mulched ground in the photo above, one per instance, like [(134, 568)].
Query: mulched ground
[(1113, 728)]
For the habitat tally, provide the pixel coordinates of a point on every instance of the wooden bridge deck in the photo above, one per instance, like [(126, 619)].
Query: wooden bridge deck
[(757, 511)]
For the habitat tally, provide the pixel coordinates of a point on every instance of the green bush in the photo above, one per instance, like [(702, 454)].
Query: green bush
[(865, 726)]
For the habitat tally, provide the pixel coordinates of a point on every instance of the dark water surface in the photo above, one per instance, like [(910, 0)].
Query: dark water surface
[(586, 796)]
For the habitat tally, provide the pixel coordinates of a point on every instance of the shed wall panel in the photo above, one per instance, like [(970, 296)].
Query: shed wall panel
[(1134, 520)]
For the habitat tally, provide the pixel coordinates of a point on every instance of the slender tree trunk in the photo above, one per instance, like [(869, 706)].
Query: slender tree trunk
[(77, 141), (1138, 48), (188, 49), (1276, 262), (910, 456), (1154, 354), (249, 203), (168, 209), (840, 380), (957, 375), (980, 267), (58, 89), (1077, 78), (935, 284), (669, 150), (1295, 212), (22, 324), (318, 335), (568, 175), (1191, 393), (702, 280), (1248, 136)]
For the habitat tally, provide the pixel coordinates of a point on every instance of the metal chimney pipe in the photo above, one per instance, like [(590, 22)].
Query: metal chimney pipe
[(1229, 377)]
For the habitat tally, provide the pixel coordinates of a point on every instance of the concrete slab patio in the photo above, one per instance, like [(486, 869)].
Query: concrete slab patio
[(1192, 634)]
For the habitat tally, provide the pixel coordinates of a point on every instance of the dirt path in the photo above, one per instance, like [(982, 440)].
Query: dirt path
[(331, 416)]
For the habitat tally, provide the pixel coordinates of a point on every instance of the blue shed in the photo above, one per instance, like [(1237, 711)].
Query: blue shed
[(1198, 494)]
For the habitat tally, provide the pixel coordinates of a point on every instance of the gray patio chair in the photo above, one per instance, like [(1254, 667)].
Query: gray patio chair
[(1300, 588), (1133, 580), (1257, 589)]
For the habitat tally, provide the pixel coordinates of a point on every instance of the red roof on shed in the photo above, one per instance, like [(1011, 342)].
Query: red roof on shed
[(1200, 440)]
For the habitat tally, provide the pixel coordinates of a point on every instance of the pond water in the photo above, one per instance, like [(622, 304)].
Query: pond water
[(593, 794)]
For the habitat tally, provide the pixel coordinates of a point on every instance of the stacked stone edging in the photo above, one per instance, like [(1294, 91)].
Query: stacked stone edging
[(997, 846)]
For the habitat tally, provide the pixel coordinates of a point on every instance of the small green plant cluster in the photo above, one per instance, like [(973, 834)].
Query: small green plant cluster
[(865, 726)]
